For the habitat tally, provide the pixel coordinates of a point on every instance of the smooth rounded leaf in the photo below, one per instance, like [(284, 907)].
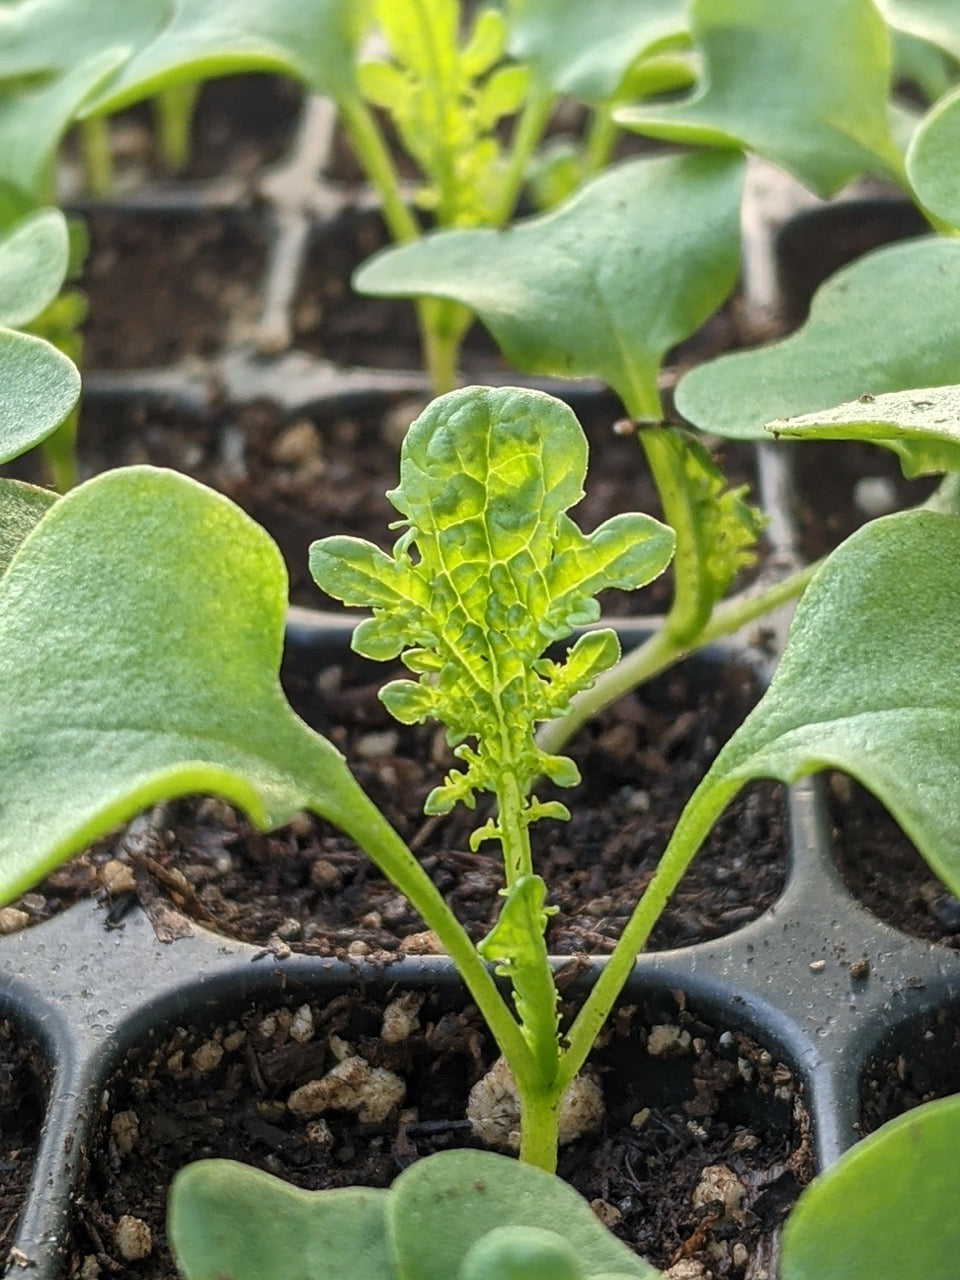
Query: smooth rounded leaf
[(869, 683), (521, 1253), (439, 1208), (888, 322), (40, 387), (54, 36), (141, 627), (887, 1208), (933, 160), (33, 265), (803, 83), (922, 427), (228, 1220), (601, 287)]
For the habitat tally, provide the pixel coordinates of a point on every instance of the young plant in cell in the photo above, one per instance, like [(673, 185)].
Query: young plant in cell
[(488, 573)]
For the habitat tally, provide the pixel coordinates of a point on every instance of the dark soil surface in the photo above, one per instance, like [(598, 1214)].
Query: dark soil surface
[(920, 1064), (702, 1151), (840, 485), (310, 888), (883, 869), (24, 1079)]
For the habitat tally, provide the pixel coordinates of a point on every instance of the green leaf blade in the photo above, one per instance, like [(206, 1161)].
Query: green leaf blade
[(440, 1207), (805, 85), (584, 291), (226, 1219), (888, 322), (932, 159), (40, 385), (33, 266), (887, 1208), (868, 683), (139, 686), (921, 426)]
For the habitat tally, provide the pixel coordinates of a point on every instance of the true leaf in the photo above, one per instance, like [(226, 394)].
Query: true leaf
[(888, 322), (602, 286), (868, 684), (887, 1208), (932, 160), (225, 1219), (40, 387), (585, 50), (516, 945), (440, 1207), (803, 83), (922, 427), (33, 265), (53, 36), (486, 477)]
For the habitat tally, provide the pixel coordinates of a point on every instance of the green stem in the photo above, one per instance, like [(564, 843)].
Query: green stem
[(598, 146), (691, 603), (514, 830), (539, 1127), (371, 150), (359, 818), (97, 157), (527, 133), (442, 326), (662, 651), (705, 806), (173, 111)]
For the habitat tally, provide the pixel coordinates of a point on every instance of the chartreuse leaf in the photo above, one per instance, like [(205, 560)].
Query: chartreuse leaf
[(921, 427), (458, 1215), (40, 387), (888, 322), (446, 101), (803, 83), (486, 476), (868, 684), (887, 1208), (313, 42), (602, 286), (441, 1208), (227, 1219), (21, 507), (586, 50), (937, 21), (933, 160), (34, 255), (516, 946)]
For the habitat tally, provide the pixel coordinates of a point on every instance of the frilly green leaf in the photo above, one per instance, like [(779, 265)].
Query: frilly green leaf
[(516, 946), (486, 478)]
